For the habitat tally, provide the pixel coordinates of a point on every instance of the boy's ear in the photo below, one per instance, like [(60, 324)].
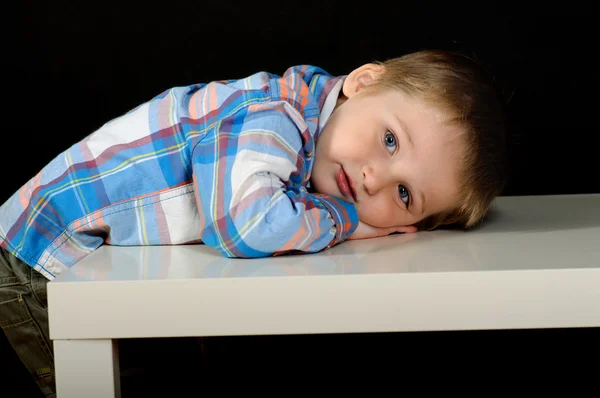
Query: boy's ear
[(360, 78)]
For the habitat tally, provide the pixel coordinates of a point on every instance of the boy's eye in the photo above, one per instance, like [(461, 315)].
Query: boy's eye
[(390, 141), (404, 194)]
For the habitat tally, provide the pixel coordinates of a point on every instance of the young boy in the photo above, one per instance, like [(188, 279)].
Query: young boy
[(256, 167)]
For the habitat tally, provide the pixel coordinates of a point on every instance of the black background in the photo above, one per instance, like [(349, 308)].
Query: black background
[(75, 65), (78, 64)]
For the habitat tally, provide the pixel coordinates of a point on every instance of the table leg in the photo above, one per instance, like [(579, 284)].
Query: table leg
[(87, 368)]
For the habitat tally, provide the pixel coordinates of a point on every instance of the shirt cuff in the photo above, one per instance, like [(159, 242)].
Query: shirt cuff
[(344, 216)]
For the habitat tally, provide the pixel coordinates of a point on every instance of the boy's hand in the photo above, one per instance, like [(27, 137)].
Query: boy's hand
[(366, 231)]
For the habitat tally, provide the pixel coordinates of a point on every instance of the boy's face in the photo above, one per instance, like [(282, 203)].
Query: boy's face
[(391, 155)]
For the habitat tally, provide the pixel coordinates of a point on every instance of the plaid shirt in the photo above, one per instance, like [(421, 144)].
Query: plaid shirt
[(226, 164)]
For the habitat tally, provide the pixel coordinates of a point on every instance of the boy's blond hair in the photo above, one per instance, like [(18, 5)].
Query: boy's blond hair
[(463, 89)]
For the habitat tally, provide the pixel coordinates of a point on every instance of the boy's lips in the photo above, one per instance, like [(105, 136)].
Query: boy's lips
[(345, 184)]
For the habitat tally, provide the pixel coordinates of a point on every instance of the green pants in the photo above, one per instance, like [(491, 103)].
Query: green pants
[(24, 319)]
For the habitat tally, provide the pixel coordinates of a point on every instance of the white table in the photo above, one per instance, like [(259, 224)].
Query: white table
[(534, 263)]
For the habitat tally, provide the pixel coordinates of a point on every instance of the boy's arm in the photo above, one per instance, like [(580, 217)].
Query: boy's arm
[(252, 201)]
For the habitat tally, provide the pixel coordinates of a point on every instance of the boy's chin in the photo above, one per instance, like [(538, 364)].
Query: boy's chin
[(322, 188)]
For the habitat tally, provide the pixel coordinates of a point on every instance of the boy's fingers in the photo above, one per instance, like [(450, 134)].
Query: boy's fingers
[(407, 229)]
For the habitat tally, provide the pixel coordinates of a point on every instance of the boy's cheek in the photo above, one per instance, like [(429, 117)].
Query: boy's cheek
[(376, 218), (384, 214)]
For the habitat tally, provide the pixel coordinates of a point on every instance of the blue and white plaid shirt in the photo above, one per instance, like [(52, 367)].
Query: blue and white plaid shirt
[(226, 164)]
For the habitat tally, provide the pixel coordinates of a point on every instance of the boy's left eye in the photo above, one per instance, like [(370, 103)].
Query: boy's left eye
[(404, 194), (390, 141)]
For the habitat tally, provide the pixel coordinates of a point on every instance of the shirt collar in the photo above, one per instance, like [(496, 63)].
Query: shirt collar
[(331, 101)]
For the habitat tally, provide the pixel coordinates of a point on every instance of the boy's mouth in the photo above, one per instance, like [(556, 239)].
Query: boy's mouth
[(345, 185)]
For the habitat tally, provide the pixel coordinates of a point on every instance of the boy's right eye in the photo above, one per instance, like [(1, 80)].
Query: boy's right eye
[(390, 141)]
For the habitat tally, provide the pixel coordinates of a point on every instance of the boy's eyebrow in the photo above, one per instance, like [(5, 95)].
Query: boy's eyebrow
[(406, 130), (408, 133)]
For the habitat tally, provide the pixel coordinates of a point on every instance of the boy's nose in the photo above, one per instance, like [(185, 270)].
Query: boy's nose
[(374, 181)]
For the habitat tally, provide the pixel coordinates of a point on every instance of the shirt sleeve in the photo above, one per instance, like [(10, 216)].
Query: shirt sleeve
[(249, 176)]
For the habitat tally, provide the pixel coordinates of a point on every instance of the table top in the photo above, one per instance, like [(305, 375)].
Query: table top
[(532, 232), (529, 249)]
